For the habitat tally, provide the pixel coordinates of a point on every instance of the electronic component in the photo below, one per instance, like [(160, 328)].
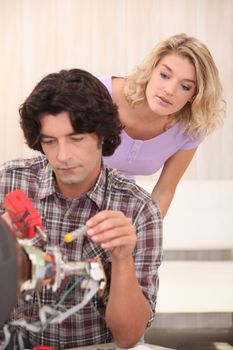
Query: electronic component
[(48, 268)]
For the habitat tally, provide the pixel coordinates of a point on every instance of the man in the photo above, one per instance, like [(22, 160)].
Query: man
[(71, 119)]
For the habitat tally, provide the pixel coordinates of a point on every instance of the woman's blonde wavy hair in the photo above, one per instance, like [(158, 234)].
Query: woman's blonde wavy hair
[(207, 108)]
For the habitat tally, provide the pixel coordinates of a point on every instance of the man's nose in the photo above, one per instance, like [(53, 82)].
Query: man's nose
[(62, 152)]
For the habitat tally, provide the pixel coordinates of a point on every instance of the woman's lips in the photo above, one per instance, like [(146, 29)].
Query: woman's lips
[(164, 100)]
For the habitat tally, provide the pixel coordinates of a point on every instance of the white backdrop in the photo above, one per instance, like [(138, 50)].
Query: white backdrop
[(38, 37)]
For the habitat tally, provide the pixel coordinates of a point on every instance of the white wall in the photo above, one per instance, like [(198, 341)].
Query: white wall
[(38, 37), (200, 216)]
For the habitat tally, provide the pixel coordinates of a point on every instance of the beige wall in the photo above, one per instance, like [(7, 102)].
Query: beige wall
[(108, 37)]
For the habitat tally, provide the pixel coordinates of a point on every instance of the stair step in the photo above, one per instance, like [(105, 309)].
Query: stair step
[(198, 254)]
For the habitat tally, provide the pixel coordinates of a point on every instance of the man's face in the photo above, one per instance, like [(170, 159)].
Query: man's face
[(74, 158)]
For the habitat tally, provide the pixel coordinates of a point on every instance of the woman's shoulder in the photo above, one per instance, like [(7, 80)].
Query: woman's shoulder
[(107, 81), (188, 140), (110, 82)]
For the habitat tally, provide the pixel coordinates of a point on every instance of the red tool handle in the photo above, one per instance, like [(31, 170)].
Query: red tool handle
[(23, 213)]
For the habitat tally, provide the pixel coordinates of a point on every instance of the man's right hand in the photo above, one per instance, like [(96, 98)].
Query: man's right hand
[(113, 231)]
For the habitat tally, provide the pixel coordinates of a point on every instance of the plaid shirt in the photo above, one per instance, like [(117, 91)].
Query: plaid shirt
[(111, 191)]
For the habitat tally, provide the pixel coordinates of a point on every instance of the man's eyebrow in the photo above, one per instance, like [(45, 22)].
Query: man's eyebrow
[(44, 136), (170, 70), (53, 137)]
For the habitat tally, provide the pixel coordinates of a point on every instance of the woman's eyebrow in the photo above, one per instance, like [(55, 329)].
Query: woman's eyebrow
[(170, 70)]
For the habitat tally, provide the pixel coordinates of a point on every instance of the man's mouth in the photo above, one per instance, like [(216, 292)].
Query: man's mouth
[(67, 168)]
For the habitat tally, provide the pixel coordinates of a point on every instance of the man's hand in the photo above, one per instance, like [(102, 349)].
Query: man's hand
[(114, 232)]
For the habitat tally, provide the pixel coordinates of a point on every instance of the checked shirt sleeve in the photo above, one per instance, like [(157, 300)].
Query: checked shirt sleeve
[(148, 252)]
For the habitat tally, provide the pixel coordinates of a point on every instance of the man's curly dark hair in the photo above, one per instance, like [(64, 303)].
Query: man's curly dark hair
[(83, 96)]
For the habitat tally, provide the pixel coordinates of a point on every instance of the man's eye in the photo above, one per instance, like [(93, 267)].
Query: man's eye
[(76, 139), (47, 142)]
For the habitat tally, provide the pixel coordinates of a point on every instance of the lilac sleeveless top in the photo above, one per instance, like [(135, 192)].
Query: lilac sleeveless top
[(136, 157)]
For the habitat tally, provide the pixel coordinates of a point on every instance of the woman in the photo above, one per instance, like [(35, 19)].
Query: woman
[(167, 106)]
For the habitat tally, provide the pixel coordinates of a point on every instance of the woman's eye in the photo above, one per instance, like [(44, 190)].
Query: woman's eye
[(164, 75), (185, 87)]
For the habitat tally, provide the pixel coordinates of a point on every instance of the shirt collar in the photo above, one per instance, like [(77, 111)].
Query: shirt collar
[(99, 191), (47, 185)]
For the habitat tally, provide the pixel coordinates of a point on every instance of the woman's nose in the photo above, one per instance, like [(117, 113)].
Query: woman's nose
[(170, 89)]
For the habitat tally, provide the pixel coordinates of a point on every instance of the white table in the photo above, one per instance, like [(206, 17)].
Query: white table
[(112, 346)]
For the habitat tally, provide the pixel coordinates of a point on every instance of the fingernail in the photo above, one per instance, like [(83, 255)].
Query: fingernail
[(89, 223), (90, 231)]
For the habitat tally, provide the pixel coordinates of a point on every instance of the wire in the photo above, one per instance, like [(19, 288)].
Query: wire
[(76, 283), (94, 286), (54, 316)]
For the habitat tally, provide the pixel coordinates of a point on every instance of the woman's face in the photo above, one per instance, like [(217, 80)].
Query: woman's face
[(172, 85)]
